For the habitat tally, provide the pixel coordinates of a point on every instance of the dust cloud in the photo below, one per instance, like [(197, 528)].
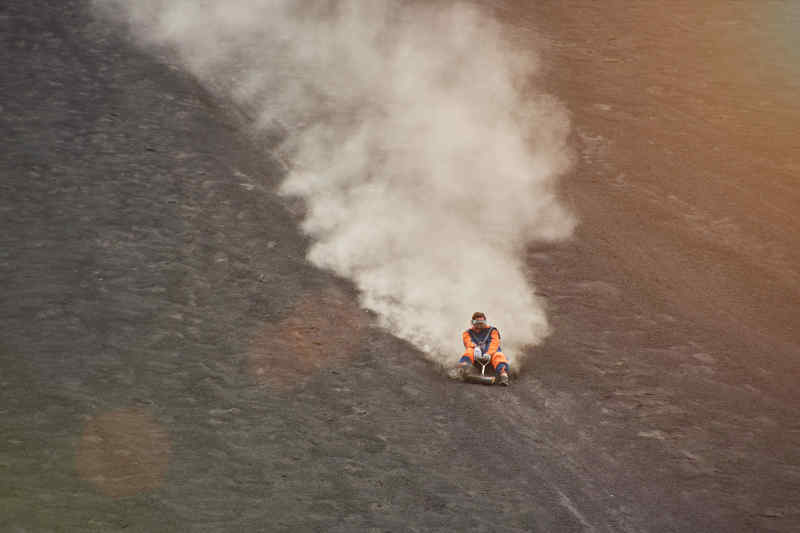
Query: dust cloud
[(425, 157)]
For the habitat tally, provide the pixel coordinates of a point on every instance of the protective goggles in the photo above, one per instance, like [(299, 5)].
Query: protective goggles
[(478, 321)]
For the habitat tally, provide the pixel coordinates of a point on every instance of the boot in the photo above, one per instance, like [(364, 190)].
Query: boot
[(459, 371), (503, 379)]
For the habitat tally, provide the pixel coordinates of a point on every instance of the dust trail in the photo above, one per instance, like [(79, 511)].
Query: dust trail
[(425, 159)]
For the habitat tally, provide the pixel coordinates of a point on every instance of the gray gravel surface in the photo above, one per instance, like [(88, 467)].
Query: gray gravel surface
[(170, 362)]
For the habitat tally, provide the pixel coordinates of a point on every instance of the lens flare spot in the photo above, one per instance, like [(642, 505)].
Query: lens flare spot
[(323, 330), (123, 452)]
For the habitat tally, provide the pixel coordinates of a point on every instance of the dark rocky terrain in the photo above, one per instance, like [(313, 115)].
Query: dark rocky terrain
[(153, 285)]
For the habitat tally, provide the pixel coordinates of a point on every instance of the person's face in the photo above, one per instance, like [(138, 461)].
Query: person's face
[(479, 323)]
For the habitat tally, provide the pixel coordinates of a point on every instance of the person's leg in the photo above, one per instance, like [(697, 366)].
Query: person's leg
[(463, 366), (500, 365)]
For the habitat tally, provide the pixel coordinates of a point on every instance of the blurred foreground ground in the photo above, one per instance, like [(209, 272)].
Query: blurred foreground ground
[(151, 279)]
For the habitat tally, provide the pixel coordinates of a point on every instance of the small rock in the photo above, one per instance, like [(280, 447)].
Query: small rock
[(704, 358), (653, 434)]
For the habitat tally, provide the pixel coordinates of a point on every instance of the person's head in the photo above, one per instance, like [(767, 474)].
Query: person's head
[(479, 320)]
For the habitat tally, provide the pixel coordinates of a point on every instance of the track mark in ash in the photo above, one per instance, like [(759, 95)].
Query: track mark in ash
[(567, 503)]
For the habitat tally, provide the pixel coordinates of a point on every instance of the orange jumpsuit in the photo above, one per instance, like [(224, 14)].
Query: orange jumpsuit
[(492, 347)]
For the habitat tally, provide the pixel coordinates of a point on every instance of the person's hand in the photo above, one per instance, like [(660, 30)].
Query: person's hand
[(476, 353)]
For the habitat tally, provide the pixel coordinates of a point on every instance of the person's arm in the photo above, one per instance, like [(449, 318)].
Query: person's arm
[(468, 344), (495, 344)]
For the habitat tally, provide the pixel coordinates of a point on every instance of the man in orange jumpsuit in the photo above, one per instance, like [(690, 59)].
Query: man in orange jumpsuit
[(483, 340)]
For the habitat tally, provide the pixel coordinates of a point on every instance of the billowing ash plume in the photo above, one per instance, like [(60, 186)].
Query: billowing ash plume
[(425, 164)]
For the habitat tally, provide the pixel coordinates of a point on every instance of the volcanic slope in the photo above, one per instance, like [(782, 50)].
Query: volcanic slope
[(170, 362)]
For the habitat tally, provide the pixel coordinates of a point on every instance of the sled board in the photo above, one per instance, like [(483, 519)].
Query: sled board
[(473, 375)]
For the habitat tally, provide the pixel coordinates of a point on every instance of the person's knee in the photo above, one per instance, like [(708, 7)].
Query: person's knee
[(498, 358), (499, 362)]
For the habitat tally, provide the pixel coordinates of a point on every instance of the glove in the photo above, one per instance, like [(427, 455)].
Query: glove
[(482, 358)]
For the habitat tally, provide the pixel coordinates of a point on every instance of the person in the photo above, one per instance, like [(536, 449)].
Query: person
[(483, 339)]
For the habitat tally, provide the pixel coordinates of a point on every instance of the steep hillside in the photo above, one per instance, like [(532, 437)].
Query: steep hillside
[(170, 361)]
